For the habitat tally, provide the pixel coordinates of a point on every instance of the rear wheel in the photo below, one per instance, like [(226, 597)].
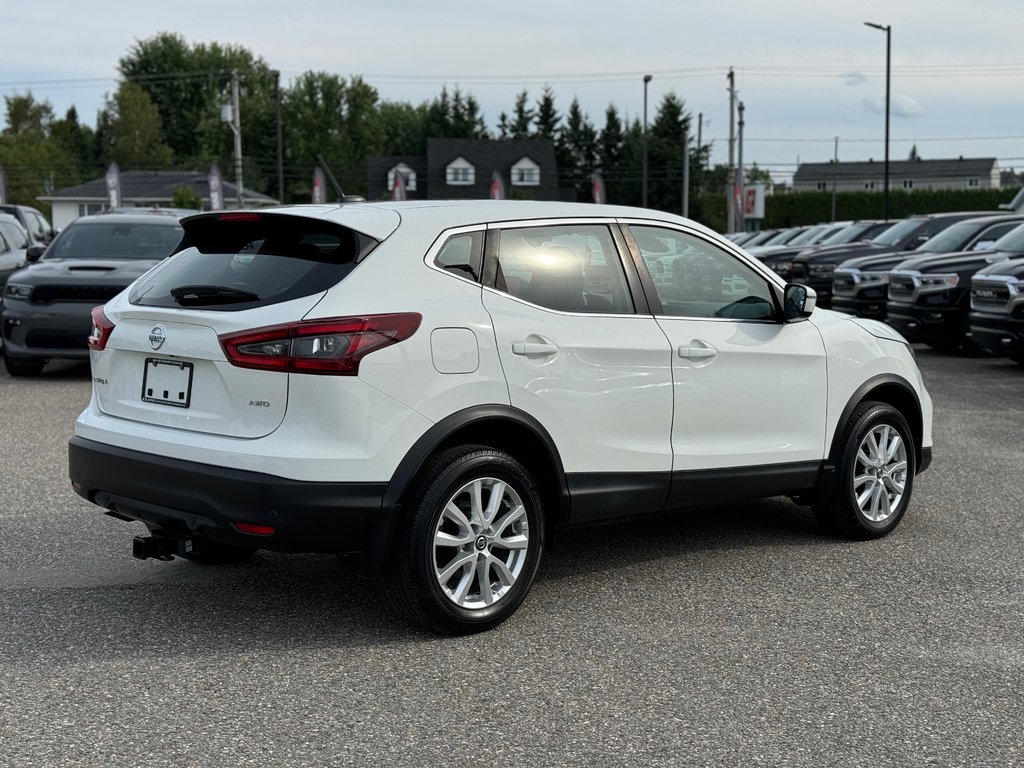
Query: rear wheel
[(23, 366), (472, 542), (874, 477)]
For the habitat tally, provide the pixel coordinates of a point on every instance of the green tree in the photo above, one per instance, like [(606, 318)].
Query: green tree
[(186, 197), (33, 162), (78, 142), (190, 83), (129, 131), (336, 119), (576, 151), (403, 128), (547, 118), (522, 117)]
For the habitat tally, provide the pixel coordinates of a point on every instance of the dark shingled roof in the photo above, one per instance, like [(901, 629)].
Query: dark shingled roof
[(378, 167), (964, 167), (486, 155), (156, 186)]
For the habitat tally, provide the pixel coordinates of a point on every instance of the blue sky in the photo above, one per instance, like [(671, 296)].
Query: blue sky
[(807, 71)]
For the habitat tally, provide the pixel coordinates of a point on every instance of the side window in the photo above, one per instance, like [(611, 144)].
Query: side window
[(569, 268), (693, 278), (463, 255), (992, 234), (15, 235)]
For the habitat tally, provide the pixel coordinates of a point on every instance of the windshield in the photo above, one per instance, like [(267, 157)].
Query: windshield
[(848, 234), (1012, 241), (235, 261), (894, 234), (783, 237), (115, 240), (809, 235)]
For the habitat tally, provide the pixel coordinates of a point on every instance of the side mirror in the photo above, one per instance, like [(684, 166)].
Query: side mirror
[(982, 245), (798, 301), (33, 252)]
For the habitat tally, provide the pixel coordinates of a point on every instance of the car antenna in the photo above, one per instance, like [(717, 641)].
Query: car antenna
[(342, 197)]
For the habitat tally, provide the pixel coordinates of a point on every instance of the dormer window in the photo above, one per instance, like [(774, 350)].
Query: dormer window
[(525, 173), (408, 173), (460, 172)]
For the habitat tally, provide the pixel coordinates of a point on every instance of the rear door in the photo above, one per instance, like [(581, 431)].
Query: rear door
[(583, 356)]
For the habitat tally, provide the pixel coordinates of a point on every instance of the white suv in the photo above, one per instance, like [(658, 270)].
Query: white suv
[(433, 388)]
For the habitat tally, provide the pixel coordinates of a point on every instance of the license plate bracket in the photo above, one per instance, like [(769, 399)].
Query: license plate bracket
[(167, 382)]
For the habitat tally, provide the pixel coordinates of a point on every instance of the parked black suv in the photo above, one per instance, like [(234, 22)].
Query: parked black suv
[(47, 305), (860, 286), (929, 297), (997, 309), (816, 269)]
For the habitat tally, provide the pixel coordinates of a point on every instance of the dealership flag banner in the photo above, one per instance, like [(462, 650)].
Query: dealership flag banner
[(319, 186), (3, 187), (113, 178), (398, 186), (216, 189), (497, 186), (597, 188)]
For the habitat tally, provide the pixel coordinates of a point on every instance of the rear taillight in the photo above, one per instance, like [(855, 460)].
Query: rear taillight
[(332, 346), (101, 330)]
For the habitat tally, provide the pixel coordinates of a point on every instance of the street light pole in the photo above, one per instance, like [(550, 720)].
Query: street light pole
[(647, 79), (887, 28)]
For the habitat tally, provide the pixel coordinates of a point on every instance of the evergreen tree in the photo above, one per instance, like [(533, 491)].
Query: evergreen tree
[(522, 117), (576, 151), (547, 118)]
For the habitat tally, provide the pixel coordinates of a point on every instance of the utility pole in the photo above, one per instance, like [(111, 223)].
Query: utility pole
[(280, 141), (647, 79), (741, 223), (835, 172), (731, 203), (236, 127), (686, 172)]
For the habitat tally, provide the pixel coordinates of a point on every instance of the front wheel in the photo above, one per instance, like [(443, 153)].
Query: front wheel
[(471, 544), (874, 475)]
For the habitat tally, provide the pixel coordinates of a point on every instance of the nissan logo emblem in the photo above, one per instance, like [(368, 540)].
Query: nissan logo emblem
[(157, 336)]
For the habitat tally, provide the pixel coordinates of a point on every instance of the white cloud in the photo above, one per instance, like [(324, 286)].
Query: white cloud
[(901, 106)]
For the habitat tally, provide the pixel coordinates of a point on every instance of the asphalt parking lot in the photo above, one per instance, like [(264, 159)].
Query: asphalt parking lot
[(736, 637)]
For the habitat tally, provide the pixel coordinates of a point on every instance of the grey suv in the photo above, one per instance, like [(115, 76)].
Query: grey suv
[(47, 305)]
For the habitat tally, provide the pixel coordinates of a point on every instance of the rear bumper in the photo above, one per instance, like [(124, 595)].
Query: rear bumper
[(190, 499)]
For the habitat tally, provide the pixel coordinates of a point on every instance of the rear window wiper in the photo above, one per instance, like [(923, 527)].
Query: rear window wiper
[(193, 295)]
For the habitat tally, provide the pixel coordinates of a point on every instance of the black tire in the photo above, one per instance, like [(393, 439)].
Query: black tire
[(415, 583), (23, 366), (842, 514), (206, 552)]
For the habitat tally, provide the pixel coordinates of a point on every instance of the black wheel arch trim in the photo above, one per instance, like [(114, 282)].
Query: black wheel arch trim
[(383, 538), (862, 393)]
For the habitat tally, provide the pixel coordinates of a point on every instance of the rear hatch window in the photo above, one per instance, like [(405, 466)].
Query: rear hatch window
[(237, 261)]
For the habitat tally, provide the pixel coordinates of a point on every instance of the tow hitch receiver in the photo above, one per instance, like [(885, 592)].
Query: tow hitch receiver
[(160, 547)]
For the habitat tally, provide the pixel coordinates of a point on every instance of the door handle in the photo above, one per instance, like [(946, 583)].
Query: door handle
[(702, 352), (533, 348)]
